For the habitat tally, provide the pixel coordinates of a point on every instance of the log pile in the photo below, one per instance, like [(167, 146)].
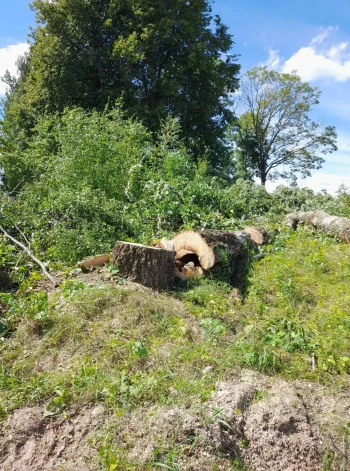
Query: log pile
[(221, 253), (224, 254)]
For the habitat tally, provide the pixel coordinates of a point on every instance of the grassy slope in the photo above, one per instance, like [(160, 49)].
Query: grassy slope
[(125, 348)]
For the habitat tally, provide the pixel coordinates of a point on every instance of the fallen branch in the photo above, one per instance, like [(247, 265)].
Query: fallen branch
[(29, 253), (337, 226)]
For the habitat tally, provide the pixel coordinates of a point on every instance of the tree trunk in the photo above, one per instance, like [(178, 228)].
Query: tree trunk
[(225, 254), (337, 226), (259, 235), (150, 266)]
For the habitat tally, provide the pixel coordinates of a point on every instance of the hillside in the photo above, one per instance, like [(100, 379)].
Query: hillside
[(103, 374), (132, 134)]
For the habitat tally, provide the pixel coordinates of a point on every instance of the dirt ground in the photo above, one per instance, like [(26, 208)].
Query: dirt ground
[(269, 424)]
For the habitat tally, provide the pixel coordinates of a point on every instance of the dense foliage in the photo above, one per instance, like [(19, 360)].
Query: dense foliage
[(87, 179), (159, 57)]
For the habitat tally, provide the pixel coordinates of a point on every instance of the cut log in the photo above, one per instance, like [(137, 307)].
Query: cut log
[(337, 226), (223, 253), (94, 262), (258, 235), (209, 245), (151, 266)]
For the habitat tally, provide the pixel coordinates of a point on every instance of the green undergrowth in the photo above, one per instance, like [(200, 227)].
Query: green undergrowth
[(296, 318), (126, 348)]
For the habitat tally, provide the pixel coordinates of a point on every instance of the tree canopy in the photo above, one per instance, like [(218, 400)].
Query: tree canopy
[(160, 57), (275, 131)]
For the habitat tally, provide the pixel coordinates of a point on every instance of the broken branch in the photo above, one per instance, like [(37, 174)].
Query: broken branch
[(29, 253)]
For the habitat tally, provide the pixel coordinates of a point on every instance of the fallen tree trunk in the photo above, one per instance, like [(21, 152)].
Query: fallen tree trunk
[(337, 226), (223, 253), (151, 266)]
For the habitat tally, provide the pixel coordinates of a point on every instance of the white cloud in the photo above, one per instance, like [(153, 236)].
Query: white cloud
[(312, 65), (8, 58), (323, 34), (315, 61), (274, 59)]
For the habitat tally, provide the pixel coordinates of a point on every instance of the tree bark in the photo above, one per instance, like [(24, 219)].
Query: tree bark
[(337, 226), (151, 266)]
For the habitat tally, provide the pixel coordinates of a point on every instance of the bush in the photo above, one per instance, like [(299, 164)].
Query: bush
[(87, 179)]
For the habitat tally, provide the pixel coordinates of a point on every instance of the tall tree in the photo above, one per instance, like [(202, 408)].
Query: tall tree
[(160, 56), (274, 133)]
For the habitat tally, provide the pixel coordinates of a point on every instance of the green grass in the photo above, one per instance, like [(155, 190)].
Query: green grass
[(128, 348), (298, 307)]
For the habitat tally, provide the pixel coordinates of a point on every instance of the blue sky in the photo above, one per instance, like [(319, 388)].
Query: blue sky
[(310, 36)]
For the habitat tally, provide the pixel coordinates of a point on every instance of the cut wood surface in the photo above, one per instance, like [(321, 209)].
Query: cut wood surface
[(151, 266), (221, 252), (192, 271), (179, 274), (194, 242), (182, 253), (335, 225), (165, 244), (259, 235), (97, 261), (209, 245)]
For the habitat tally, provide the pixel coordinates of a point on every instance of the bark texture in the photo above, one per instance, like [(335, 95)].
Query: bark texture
[(337, 226), (152, 267)]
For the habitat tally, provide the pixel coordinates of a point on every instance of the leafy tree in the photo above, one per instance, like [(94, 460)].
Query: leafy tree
[(161, 57), (275, 131)]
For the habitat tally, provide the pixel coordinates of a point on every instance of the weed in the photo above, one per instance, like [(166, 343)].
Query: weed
[(238, 465), (70, 287), (213, 328), (217, 417), (139, 347)]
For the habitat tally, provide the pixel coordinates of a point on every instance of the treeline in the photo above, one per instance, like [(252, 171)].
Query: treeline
[(120, 125)]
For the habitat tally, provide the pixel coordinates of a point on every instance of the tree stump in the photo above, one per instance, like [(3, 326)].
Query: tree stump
[(151, 266)]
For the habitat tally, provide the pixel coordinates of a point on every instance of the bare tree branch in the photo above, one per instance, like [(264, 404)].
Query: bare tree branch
[(29, 253)]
